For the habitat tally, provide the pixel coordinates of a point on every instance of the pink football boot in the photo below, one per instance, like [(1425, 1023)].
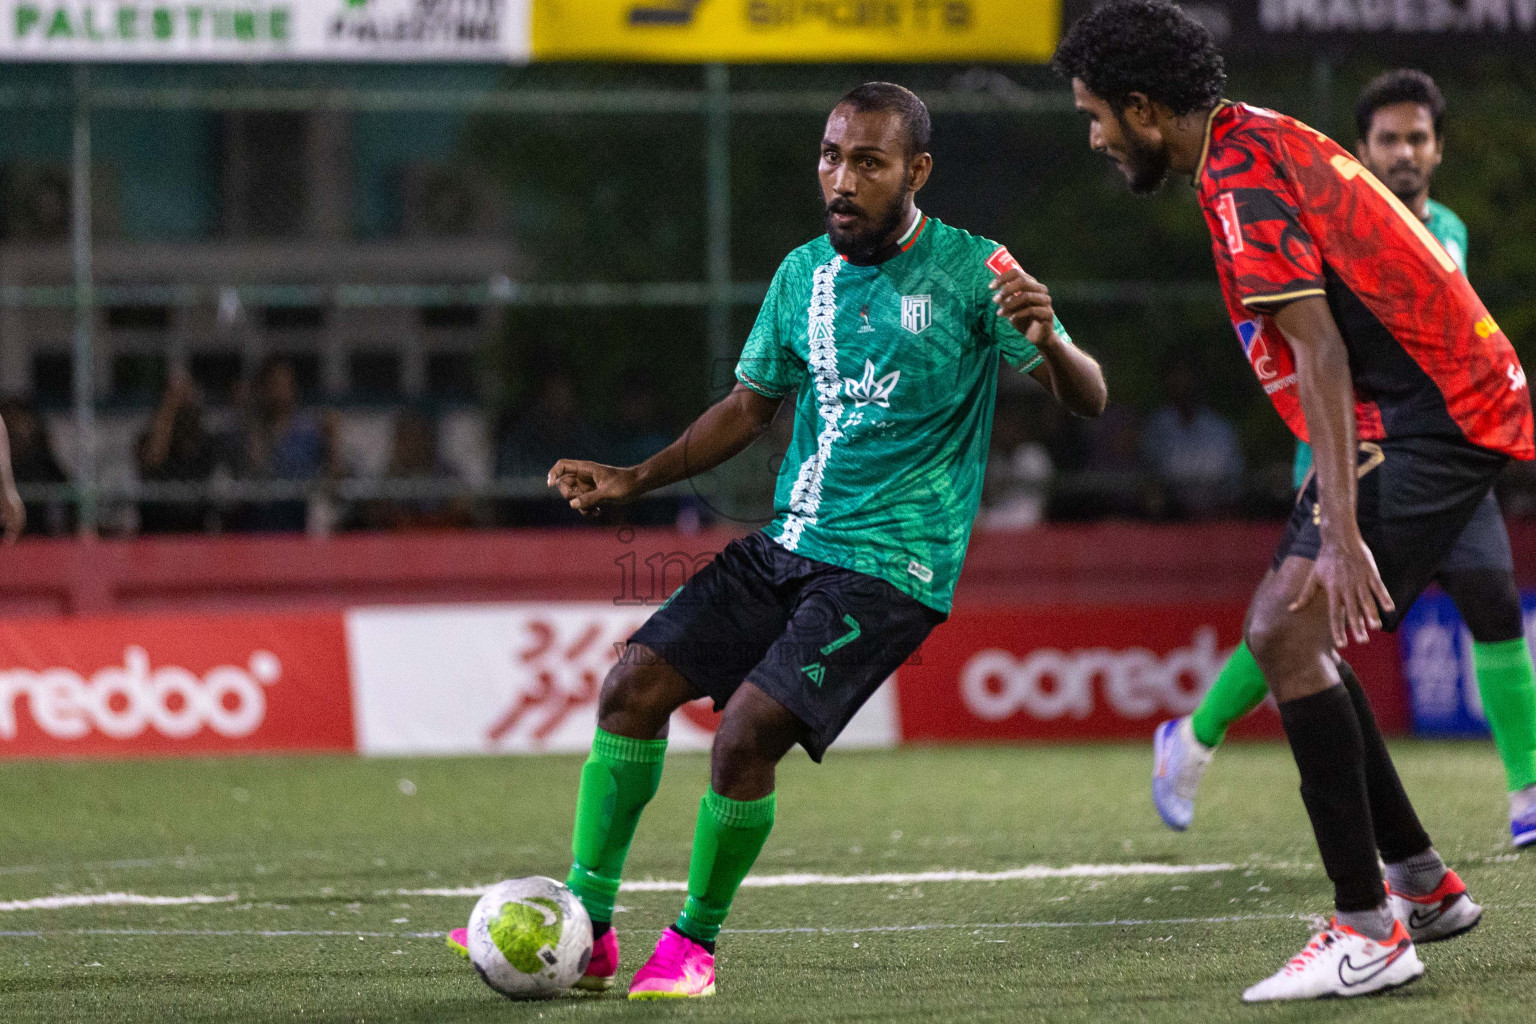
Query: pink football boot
[(603, 965), (458, 941), (679, 969), (600, 969)]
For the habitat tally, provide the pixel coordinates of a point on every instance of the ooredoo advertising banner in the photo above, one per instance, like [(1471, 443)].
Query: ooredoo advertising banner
[(1064, 673), (185, 685), (1076, 672), (525, 678)]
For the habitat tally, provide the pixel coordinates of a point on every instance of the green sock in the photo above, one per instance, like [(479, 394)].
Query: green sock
[(618, 780), (729, 836), (1507, 682), (1238, 689)]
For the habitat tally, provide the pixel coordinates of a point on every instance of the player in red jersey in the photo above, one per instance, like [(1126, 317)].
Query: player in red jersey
[(1372, 346)]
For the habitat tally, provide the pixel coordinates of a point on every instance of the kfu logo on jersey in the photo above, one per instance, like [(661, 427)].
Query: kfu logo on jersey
[(869, 391), (916, 312)]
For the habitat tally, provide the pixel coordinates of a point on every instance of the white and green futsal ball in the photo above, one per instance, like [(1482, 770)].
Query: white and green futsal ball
[(530, 938)]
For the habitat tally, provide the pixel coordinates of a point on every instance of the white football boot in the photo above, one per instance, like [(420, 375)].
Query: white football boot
[(1522, 816), (1178, 762), (1442, 914), (1340, 962)]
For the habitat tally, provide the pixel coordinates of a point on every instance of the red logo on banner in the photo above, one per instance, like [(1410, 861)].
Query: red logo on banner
[(566, 673), (123, 686)]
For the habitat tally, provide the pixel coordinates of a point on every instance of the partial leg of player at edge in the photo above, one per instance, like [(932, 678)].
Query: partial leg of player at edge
[(1409, 433), (1399, 118), (891, 328)]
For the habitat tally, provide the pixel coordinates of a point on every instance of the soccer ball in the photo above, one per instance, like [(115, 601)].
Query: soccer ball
[(530, 938)]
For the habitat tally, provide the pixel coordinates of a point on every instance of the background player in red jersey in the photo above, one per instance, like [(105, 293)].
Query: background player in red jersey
[(1372, 346)]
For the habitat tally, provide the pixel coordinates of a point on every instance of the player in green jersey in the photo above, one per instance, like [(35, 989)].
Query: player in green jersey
[(890, 327), (1399, 117)]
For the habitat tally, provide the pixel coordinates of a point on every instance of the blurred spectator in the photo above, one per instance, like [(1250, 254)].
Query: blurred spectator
[(413, 457), (1019, 467), (13, 513), (281, 442), (1190, 449), (549, 429), (642, 430), (1113, 482), (1113, 443), (33, 462), (176, 448)]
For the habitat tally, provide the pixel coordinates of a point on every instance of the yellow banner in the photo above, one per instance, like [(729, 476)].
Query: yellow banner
[(795, 30)]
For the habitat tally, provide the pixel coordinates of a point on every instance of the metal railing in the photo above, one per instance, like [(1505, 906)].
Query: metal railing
[(976, 92)]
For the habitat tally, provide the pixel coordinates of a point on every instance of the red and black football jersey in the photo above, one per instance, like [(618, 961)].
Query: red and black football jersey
[(1291, 215)]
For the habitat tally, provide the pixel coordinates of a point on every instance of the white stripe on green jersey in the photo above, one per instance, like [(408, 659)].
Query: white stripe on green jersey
[(884, 470)]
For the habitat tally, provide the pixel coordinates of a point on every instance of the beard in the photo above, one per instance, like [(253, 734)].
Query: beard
[(1145, 166), (870, 233), (1405, 181)]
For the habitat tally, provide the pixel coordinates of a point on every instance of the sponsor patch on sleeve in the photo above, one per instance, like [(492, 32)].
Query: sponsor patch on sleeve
[(1001, 261)]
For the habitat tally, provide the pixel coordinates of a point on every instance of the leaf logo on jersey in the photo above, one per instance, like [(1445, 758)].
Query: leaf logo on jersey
[(869, 391), (917, 312)]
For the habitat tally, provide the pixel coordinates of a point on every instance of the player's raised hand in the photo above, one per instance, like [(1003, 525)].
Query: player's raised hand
[(587, 486), (1025, 302), (1345, 574)]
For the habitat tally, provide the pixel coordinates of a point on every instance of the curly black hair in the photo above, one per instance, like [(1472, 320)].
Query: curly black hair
[(1402, 85), (1145, 46)]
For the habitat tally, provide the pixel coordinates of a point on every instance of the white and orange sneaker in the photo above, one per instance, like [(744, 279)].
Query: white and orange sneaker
[(1443, 914), (1339, 961), (678, 969)]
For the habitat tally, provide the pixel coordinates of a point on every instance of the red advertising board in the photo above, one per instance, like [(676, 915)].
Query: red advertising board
[(1088, 673), (174, 685)]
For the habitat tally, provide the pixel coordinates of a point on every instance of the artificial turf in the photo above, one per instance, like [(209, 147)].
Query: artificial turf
[(308, 857)]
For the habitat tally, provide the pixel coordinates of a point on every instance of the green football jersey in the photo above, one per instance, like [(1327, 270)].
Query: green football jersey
[(1451, 233), (1450, 230), (898, 363)]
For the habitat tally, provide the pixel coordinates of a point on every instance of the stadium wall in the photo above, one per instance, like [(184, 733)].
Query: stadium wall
[(499, 643)]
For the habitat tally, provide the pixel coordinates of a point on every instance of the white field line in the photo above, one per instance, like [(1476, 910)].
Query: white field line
[(1127, 922), (864, 930), (1028, 873), (110, 899)]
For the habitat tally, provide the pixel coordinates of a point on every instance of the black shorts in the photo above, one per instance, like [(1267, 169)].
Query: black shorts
[(1417, 496), (817, 638), (1484, 544)]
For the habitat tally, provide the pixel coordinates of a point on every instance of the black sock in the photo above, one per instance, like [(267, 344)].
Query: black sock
[(1399, 835), (709, 947), (1325, 741), (600, 928)]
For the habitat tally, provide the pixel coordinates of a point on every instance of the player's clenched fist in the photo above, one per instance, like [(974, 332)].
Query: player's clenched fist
[(1026, 303), (590, 485)]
